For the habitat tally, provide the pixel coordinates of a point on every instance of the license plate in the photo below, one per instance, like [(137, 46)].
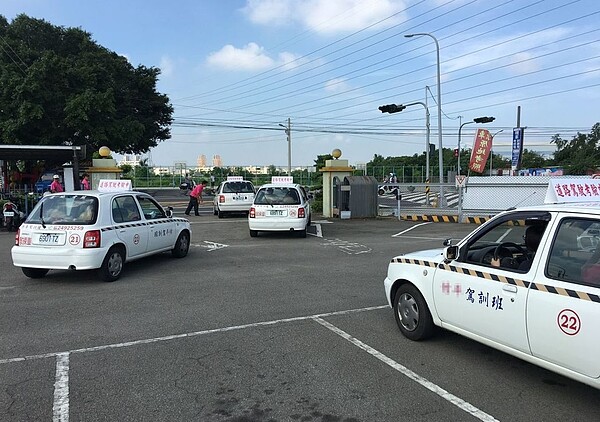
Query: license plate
[(49, 239), (9, 213), (277, 213)]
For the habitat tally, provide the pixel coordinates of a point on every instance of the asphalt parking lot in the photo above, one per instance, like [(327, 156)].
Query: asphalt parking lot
[(273, 328)]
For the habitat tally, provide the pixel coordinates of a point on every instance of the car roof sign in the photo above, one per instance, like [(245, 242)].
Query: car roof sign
[(282, 179), (111, 185), (572, 190), (235, 178)]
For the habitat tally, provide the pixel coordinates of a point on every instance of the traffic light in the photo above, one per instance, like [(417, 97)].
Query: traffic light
[(391, 108), (455, 152), (484, 119)]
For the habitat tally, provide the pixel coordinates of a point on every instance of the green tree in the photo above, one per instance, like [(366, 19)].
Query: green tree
[(59, 87), (320, 161), (532, 159), (580, 155)]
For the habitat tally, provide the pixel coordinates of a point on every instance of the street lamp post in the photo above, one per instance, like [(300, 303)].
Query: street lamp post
[(475, 120), (492, 152), (288, 132), (439, 106)]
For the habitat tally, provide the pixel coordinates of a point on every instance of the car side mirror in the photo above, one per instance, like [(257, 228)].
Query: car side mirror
[(448, 242), (169, 212), (450, 253)]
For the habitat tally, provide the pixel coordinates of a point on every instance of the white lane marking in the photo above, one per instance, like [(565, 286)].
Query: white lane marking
[(319, 232), (409, 229), (213, 246), (460, 403), (323, 222), (192, 334), (60, 409)]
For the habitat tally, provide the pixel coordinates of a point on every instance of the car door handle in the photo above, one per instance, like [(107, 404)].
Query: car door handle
[(509, 288)]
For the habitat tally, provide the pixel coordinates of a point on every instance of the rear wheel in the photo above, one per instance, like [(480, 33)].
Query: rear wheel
[(182, 245), (112, 266), (302, 233), (253, 233), (34, 272), (412, 314)]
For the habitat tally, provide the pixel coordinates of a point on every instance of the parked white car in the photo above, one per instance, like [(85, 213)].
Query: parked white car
[(234, 195), (538, 302), (85, 230)]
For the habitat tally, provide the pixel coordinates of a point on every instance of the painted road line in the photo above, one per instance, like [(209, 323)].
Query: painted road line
[(60, 409), (460, 403), (192, 334), (318, 233), (409, 229)]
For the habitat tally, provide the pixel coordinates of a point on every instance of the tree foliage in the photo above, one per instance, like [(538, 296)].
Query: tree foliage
[(59, 87), (580, 155)]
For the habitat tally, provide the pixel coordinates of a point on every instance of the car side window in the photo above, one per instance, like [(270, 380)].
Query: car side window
[(150, 208), (125, 209), (575, 255)]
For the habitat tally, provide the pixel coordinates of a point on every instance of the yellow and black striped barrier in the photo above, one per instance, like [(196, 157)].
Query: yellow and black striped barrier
[(433, 218)]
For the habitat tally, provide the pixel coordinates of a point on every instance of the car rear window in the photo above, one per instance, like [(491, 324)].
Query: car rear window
[(277, 196), (65, 209), (238, 187)]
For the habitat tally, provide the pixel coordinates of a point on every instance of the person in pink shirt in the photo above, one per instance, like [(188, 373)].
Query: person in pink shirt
[(195, 195), (55, 186), (85, 182)]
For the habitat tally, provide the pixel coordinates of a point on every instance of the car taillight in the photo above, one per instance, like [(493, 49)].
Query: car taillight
[(252, 213), (301, 213), (221, 199), (17, 237), (92, 239)]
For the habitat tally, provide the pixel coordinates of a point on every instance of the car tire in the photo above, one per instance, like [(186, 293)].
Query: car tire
[(380, 191), (112, 266), (220, 213), (412, 313), (302, 233), (253, 233), (34, 272), (182, 245)]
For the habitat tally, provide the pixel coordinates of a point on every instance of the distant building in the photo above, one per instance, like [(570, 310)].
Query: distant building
[(216, 161), (131, 159), (201, 162)]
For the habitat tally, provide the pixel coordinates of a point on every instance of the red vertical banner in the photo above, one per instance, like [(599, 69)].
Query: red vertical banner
[(481, 150)]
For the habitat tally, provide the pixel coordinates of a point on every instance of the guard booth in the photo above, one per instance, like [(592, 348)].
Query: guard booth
[(356, 197)]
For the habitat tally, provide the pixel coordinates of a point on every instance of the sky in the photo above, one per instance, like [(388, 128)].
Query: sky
[(235, 71)]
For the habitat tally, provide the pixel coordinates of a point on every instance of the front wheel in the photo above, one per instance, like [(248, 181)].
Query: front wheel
[(112, 266), (34, 272), (412, 314), (182, 245)]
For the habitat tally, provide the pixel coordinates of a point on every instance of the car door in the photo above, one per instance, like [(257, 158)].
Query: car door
[(162, 231), (130, 228), (472, 295), (563, 307)]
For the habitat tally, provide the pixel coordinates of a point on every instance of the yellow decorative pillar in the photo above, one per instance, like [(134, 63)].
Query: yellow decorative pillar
[(103, 168), (333, 168)]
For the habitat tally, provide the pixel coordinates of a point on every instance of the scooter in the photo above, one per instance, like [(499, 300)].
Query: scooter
[(11, 216)]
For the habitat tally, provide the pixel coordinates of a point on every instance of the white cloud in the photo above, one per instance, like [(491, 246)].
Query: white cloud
[(325, 16), (251, 57), (167, 66), (336, 85)]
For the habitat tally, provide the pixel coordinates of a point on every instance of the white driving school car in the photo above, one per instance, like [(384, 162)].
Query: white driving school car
[(527, 282), (233, 195), (102, 229), (280, 206)]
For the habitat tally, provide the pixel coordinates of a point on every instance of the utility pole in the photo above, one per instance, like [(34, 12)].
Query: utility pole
[(288, 132)]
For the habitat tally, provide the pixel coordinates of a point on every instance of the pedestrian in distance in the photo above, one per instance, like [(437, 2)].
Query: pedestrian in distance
[(55, 186), (85, 182), (195, 196)]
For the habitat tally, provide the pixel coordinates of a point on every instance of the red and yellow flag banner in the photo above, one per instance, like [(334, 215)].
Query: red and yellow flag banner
[(481, 150)]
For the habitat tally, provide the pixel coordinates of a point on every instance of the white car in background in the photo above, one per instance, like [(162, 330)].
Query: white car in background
[(102, 230), (234, 195), (280, 206)]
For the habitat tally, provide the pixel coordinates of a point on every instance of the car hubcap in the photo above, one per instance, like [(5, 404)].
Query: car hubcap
[(183, 245), (408, 312), (115, 264)]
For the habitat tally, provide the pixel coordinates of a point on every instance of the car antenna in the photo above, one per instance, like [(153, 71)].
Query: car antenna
[(520, 202)]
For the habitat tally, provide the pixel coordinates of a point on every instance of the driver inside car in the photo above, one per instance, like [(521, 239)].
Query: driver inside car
[(532, 237)]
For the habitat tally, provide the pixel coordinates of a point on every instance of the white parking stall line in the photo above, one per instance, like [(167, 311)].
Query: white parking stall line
[(319, 232), (60, 409), (460, 403), (187, 335), (409, 229)]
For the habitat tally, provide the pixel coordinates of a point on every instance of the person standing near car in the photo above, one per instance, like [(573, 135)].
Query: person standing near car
[(55, 186), (195, 196), (85, 182)]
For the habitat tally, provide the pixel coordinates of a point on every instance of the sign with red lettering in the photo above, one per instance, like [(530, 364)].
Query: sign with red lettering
[(481, 150), (572, 190)]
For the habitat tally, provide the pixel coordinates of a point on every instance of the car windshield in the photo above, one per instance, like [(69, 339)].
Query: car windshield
[(65, 209), (238, 187), (277, 196)]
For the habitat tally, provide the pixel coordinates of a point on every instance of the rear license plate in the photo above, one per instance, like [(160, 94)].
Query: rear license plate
[(9, 213), (277, 213), (49, 239)]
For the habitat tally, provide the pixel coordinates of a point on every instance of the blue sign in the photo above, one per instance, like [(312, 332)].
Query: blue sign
[(517, 147)]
